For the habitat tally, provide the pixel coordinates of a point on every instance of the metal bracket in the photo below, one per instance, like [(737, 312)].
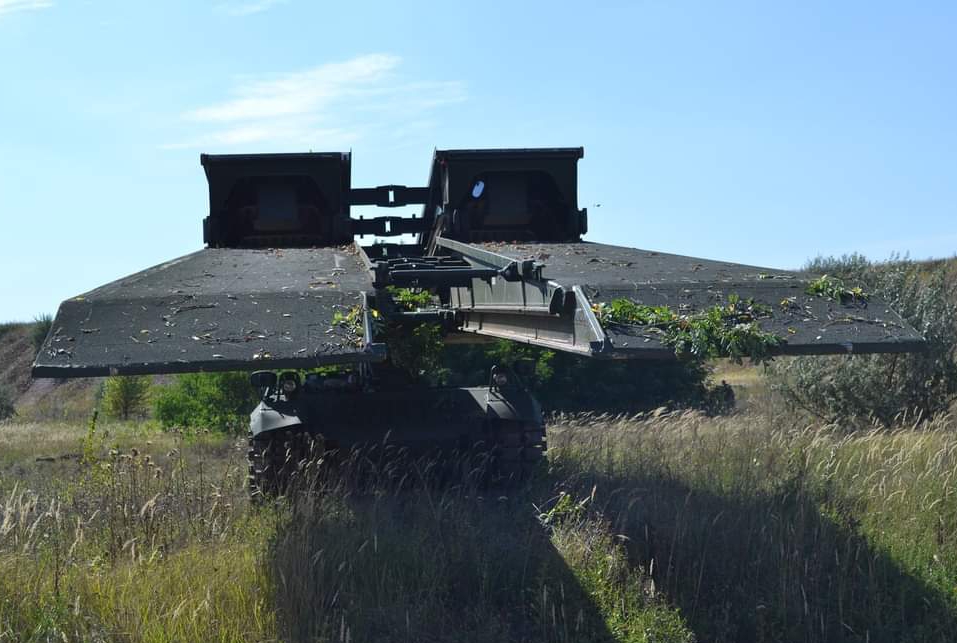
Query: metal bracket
[(388, 196), (600, 341), (427, 272), (389, 226), (509, 269)]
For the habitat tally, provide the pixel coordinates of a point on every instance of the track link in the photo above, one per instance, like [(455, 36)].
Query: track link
[(518, 448)]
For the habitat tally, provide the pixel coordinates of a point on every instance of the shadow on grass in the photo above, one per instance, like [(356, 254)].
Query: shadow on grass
[(766, 567), (384, 556), (388, 557)]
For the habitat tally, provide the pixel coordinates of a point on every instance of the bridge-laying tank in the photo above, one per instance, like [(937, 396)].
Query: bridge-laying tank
[(291, 284)]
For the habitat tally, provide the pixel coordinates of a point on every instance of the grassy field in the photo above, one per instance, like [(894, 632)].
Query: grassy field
[(759, 526), (668, 527)]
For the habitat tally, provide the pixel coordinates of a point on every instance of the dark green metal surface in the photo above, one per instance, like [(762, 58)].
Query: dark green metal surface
[(499, 245), (602, 273), (216, 309)]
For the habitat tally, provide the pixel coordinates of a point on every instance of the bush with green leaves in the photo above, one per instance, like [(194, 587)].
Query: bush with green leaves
[(410, 299), (126, 396), (567, 382), (215, 401), (6, 403), (879, 388), (417, 350)]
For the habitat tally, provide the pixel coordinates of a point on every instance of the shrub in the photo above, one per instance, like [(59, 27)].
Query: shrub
[(417, 350), (566, 382), (216, 401), (126, 395), (882, 387), (41, 328), (6, 403)]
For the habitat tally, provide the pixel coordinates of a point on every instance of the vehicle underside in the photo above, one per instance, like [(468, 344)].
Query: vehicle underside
[(497, 430)]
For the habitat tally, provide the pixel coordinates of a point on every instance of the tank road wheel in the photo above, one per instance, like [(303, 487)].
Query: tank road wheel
[(517, 448), (277, 458)]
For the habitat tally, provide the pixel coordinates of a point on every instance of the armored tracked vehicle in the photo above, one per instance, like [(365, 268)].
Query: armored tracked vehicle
[(290, 283)]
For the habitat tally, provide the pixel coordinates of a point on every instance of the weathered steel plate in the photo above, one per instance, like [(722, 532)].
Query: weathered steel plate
[(215, 310), (809, 325)]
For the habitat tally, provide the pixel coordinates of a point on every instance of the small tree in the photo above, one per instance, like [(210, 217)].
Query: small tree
[(126, 395), (417, 350), (217, 401)]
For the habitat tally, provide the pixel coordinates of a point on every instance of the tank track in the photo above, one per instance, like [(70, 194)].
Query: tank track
[(278, 458), (518, 448)]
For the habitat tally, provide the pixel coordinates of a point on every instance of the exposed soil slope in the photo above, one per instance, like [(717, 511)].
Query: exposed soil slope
[(16, 355), (41, 399)]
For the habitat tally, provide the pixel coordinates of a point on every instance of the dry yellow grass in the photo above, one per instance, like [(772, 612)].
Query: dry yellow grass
[(763, 528), (142, 536), (664, 527)]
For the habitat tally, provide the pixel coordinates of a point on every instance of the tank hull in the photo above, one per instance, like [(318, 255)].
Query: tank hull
[(502, 428), (446, 416)]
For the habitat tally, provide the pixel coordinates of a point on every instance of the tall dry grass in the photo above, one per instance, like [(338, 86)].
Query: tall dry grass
[(134, 545), (431, 555), (664, 527), (761, 529)]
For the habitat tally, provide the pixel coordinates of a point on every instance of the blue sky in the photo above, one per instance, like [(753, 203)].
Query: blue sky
[(764, 133)]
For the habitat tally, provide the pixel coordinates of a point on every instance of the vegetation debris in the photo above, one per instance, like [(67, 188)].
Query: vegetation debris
[(352, 321), (410, 299), (833, 288), (730, 330)]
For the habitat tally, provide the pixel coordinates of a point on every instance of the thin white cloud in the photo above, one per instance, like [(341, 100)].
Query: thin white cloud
[(336, 103), (12, 6), (247, 8), (298, 92), (273, 137)]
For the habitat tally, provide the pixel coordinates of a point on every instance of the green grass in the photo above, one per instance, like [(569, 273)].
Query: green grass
[(666, 527), (456, 562), (762, 529), (199, 593), (137, 535)]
